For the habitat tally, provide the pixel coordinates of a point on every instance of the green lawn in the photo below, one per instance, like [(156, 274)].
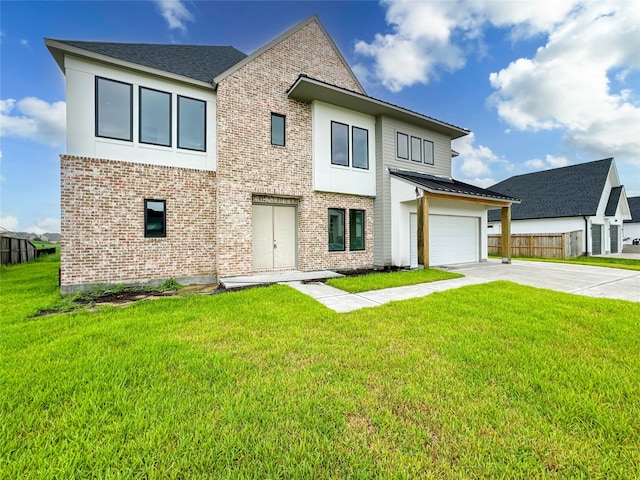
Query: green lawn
[(377, 281), (489, 381)]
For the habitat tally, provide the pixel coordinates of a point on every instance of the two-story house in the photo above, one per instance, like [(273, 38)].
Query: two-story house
[(194, 162)]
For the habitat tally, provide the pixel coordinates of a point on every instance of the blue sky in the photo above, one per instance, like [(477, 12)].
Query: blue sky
[(541, 84)]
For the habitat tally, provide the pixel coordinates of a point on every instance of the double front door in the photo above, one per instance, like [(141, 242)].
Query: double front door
[(274, 237)]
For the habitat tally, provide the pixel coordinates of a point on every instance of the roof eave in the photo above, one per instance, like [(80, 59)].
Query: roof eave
[(60, 49), (307, 89)]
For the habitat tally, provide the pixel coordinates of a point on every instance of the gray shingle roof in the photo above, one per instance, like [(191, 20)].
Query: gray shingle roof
[(199, 62), (572, 191), (634, 206), (446, 185)]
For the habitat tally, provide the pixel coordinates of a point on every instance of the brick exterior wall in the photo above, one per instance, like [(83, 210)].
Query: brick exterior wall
[(248, 164), (103, 223)]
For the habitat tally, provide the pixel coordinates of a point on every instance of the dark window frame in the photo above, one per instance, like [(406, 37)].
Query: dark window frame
[(351, 233), (419, 160), (432, 149), (398, 134), (344, 242), (140, 88), (163, 233), (204, 131), (97, 108), (284, 129), (353, 147), (346, 150)]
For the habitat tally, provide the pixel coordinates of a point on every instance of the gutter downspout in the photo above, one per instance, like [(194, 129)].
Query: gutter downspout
[(586, 237)]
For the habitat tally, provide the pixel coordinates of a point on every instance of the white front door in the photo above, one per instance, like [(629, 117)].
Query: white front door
[(274, 237)]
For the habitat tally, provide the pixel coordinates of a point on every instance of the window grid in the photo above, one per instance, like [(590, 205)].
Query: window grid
[(360, 146), (339, 144), (356, 230), (416, 149), (142, 138), (184, 144), (402, 145), (336, 230)]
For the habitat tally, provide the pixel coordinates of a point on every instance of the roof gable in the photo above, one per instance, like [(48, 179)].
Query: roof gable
[(572, 191), (282, 37), (197, 62)]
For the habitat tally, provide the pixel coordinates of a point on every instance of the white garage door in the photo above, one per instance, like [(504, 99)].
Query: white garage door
[(453, 239)]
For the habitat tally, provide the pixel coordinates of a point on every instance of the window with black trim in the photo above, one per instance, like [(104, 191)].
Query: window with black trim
[(155, 117), (339, 144), (416, 149), (192, 124), (336, 230), (360, 155), (114, 109), (402, 141), (155, 218), (356, 229), (277, 129), (428, 152)]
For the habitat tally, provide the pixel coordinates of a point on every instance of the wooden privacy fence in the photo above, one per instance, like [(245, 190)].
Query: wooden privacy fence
[(541, 245), (16, 250)]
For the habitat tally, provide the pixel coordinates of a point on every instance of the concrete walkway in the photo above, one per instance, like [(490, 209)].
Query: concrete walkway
[(577, 279), (268, 278)]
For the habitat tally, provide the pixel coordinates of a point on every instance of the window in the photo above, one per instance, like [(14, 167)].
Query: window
[(416, 149), (428, 152), (155, 218), (191, 124), (114, 109), (339, 144), (277, 129), (356, 229), (336, 230), (360, 147), (403, 145), (155, 117)]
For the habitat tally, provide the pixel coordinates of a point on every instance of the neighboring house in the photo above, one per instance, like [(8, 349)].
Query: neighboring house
[(195, 162), (631, 227), (587, 197)]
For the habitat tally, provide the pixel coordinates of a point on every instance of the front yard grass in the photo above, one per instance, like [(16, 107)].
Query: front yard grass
[(488, 381), (378, 281)]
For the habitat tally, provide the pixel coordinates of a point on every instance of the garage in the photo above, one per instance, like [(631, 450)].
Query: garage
[(453, 239)]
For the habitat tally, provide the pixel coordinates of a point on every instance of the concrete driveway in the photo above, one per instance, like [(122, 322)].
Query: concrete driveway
[(579, 279)]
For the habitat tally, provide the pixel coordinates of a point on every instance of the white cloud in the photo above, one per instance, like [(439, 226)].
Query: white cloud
[(474, 164), (45, 225), (36, 120), (175, 13), (550, 161), (24, 42), (430, 37), (566, 85), (8, 221)]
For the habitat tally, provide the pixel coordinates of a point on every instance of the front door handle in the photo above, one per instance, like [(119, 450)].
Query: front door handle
[(275, 245)]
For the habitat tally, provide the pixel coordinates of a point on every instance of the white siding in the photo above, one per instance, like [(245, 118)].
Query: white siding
[(81, 138), (338, 178)]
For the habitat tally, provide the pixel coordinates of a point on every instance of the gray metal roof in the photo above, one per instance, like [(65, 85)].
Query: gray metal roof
[(199, 62), (448, 185), (634, 206), (573, 191)]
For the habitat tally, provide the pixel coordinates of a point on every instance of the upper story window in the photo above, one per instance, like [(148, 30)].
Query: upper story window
[(114, 109), (155, 218), (192, 121), (428, 152), (416, 149), (360, 147), (277, 129), (402, 141), (339, 144), (155, 117)]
